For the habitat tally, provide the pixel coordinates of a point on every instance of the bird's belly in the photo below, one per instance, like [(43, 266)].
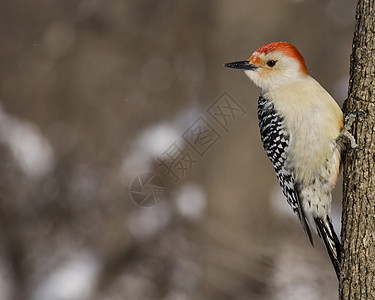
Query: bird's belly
[(314, 155)]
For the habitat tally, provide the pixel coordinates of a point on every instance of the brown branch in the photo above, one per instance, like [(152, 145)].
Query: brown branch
[(358, 217)]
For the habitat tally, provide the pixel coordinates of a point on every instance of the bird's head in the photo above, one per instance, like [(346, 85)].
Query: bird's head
[(273, 65)]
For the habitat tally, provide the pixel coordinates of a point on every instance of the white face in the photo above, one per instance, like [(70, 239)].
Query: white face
[(274, 69)]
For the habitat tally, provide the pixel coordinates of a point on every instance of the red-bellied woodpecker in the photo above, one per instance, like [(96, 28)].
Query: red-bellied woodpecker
[(301, 128)]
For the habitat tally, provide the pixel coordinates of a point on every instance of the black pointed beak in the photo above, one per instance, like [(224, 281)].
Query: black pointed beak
[(241, 65)]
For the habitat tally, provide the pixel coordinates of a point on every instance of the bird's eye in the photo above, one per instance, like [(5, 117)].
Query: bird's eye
[(271, 63)]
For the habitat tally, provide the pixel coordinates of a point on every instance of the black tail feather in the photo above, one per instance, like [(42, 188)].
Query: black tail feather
[(331, 241), (305, 226)]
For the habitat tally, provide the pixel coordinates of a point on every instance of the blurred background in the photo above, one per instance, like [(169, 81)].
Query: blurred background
[(131, 161)]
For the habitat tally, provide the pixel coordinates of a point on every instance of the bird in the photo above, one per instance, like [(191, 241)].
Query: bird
[(301, 128)]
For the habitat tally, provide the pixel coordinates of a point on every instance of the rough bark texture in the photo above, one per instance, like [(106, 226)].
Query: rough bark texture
[(358, 219)]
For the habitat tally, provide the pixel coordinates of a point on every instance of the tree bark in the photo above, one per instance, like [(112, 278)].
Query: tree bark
[(358, 216)]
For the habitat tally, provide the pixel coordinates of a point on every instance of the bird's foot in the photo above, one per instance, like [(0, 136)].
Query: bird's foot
[(345, 135)]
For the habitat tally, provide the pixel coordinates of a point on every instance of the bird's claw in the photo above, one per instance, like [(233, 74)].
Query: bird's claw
[(346, 135), (349, 118)]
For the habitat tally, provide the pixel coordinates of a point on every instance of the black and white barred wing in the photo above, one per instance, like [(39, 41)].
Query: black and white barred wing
[(275, 141)]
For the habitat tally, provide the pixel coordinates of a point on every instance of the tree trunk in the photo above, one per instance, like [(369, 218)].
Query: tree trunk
[(358, 217)]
